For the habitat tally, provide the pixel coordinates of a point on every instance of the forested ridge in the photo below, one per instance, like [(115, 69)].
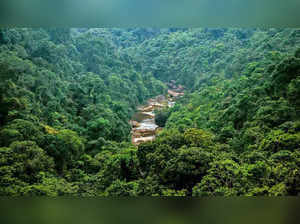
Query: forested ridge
[(67, 95)]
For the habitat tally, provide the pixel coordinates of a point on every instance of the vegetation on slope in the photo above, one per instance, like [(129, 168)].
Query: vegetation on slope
[(66, 97)]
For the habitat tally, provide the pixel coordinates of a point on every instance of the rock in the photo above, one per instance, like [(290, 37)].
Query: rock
[(160, 98), (144, 132), (175, 94), (136, 135), (148, 115), (169, 85), (143, 123), (134, 124), (146, 109), (157, 105), (150, 101), (138, 141), (172, 93)]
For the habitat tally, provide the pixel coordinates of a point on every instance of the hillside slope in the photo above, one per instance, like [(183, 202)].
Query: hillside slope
[(66, 96)]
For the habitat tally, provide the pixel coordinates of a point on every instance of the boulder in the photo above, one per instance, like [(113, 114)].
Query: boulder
[(172, 93), (144, 132), (136, 135), (180, 87), (138, 141), (146, 109), (134, 124), (160, 98), (148, 115), (157, 105)]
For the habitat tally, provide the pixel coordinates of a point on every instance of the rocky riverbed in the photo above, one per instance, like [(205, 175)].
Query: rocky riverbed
[(143, 122)]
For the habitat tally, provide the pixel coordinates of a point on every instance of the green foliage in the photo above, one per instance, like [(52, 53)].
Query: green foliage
[(65, 146), (161, 117), (21, 164), (50, 187), (277, 140), (67, 95), (121, 189), (20, 130), (198, 138)]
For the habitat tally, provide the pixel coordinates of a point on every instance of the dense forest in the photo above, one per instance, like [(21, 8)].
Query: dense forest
[(67, 96)]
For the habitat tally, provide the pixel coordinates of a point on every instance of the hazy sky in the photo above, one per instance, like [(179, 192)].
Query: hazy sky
[(158, 13)]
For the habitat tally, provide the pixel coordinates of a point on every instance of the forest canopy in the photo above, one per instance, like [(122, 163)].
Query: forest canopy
[(67, 96)]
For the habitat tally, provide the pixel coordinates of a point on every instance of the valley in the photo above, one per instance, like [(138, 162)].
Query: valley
[(143, 124), (95, 112)]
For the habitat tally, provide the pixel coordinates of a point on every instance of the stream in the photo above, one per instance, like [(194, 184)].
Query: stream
[(143, 124)]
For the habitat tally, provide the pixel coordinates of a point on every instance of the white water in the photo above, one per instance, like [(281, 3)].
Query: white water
[(147, 124)]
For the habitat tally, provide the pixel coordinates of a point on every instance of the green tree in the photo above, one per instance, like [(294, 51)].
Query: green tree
[(66, 147)]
